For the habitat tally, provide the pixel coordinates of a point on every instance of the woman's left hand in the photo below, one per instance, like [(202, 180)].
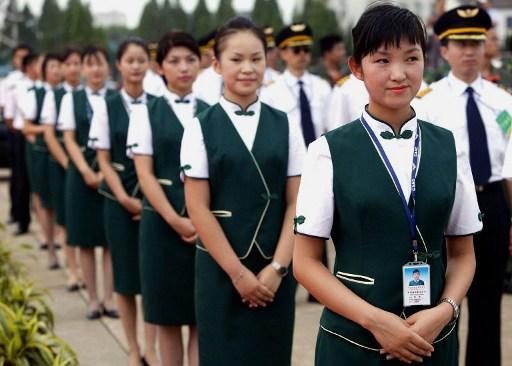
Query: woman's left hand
[(429, 323), (270, 278)]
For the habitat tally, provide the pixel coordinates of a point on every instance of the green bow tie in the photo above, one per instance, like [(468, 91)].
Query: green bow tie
[(388, 135), (244, 113)]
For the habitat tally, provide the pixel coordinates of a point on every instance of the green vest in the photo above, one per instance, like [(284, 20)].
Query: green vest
[(118, 121), (83, 115), (40, 144), (247, 188), (167, 133), (59, 94), (370, 230)]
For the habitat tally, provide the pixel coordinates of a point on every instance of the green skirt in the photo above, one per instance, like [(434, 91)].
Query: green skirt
[(331, 350), (29, 162), (57, 181), (41, 176), (230, 333), (123, 241), (167, 273), (84, 212)]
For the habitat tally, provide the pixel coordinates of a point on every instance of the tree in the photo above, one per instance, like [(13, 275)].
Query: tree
[(320, 17), (267, 13), (180, 17), (27, 28), (225, 11), (150, 16), (78, 26), (202, 22), (50, 26)]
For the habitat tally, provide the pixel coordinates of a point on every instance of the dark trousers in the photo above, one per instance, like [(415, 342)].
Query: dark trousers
[(19, 184), (484, 296), (11, 138)]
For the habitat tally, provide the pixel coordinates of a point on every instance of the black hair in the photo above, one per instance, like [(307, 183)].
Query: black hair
[(128, 42), (68, 51), (94, 51), (176, 39), (328, 42), (386, 24), (416, 271), (47, 58), (29, 60), (22, 46), (233, 26)]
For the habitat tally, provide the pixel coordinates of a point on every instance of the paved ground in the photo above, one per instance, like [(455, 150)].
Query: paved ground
[(101, 343)]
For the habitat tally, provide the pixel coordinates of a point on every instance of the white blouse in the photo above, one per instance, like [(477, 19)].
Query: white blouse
[(316, 196), (99, 133), (193, 150), (140, 137), (49, 110), (66, 119)]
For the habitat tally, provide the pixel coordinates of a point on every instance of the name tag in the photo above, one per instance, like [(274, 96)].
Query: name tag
[(505, 121), (416, 284)]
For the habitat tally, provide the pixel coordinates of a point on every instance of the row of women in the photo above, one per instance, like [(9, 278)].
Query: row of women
[(195, 203)]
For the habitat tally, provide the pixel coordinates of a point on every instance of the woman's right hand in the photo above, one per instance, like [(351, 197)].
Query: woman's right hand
[(92, 179), (251, 290), (132, 205), (183, 226), (398, 340)]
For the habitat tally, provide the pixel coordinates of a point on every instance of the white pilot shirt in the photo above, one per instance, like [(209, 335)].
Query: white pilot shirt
[(507, 164), (208, 86), (140, 136), (66, 119), (8, 86), (49, 110), (193, 150), (18, 102), (348, 100), (283, 94), (99, 133), (316, 195), (445, 106), (270, 76), (29, 103)]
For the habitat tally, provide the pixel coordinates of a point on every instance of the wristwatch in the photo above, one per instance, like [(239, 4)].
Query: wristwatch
[(455, 306), (279, 268)]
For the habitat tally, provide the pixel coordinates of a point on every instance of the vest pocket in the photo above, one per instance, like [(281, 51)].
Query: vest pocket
[(357, 278), (222, 213)]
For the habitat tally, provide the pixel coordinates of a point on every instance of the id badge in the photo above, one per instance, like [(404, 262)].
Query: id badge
[(416, 284), (504, 119)]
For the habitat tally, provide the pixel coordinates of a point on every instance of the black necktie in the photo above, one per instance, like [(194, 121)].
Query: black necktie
[(478, 149), (136, 101), (306, 121), (184, 101)]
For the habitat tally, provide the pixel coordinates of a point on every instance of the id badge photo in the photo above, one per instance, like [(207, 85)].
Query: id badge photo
[(416, 284)]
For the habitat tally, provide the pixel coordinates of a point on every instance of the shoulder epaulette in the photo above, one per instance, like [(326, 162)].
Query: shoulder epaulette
[(269, 82), (423, 92), (342, 80)]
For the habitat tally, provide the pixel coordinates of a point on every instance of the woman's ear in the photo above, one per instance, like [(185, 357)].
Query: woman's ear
[(216, 65), (355, 68)]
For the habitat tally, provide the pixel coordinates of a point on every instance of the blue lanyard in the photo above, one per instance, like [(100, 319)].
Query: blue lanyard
[(409, 213)]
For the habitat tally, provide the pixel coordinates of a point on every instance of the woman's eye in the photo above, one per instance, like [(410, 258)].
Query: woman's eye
[(413, 58), (382, 61)]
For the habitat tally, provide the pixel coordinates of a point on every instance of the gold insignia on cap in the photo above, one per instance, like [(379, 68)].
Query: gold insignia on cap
[(298, 27), (268, 30), (468, 13)]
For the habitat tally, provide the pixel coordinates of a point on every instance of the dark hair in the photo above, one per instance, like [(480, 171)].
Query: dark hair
[(175, 39), (416, 271), (236, 25), (127, 43), (68, 51), (94, 51), (386, 24), (22, 46), (47, 58), (29, 60), (328, 42)]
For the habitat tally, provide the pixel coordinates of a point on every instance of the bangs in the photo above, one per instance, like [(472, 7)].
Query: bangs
[(387, 25)]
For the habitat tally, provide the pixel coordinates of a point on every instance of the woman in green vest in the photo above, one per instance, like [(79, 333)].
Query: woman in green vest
[(123, 204), (40, 180), (387, 188), (84, 205), (167, 236), (242, 160), (58, 158)]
